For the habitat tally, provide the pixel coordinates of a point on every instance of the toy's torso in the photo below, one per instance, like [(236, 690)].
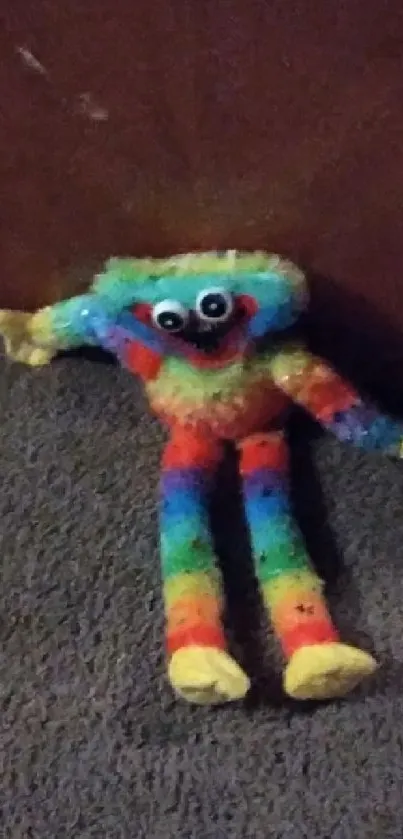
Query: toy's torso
[(230, 402)]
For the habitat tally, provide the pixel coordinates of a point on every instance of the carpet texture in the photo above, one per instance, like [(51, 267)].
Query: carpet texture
[(92, 742)]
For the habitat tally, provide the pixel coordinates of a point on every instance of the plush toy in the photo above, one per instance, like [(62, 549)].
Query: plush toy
[(191, 327)]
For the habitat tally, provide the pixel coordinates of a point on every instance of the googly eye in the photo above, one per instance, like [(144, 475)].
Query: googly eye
[(214, 305), (170, 316)]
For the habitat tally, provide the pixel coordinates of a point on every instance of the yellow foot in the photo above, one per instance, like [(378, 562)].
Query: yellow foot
[(325, 671), (207, 676)]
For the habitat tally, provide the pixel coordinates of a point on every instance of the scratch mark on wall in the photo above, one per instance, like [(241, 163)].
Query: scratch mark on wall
[(83, 104), (31, 61), (91, 109)]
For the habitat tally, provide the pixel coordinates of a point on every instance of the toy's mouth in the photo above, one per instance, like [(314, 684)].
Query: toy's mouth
[(212, 346), (208, 344), (207, 340)]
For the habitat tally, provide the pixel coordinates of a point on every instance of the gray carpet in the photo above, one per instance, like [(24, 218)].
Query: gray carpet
[(92, 742)]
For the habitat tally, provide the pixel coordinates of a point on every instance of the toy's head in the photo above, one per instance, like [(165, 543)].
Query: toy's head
[(208, 307)]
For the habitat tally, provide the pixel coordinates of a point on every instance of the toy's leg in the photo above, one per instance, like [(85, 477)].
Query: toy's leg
[(319, 665), (200, 668)]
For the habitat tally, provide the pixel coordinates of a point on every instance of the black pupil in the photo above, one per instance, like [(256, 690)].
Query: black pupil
[(214, 305), (171, 321)]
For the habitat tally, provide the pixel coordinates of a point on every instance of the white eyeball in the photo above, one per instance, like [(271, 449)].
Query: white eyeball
[(214, 305), (170, 316)]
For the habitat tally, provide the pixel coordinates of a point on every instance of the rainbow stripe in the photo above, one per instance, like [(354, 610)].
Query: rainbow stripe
[(192, 584), (291, 591), (315, 386), (229, 403)]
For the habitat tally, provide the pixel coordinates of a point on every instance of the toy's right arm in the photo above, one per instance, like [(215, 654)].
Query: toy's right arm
[(89, 320), (36, 338)]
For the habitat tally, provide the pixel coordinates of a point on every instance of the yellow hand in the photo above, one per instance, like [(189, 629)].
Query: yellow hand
[(26, 337)]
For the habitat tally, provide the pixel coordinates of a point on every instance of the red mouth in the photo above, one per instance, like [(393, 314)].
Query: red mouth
[(231, 347)]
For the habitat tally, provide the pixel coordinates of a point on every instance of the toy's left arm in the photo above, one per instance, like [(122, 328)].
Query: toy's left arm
[(339, 408)]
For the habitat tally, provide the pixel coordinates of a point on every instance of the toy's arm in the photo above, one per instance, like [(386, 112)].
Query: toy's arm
[(35, 338), (84, 320), (317, 388)]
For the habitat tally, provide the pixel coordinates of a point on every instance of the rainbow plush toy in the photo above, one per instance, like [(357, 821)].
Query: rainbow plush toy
[(190, 327)]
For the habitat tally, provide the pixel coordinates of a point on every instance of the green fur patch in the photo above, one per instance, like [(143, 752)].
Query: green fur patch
[(127, 280)]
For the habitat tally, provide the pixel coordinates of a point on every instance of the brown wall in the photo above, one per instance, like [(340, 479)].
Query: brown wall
[(157, 127)]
